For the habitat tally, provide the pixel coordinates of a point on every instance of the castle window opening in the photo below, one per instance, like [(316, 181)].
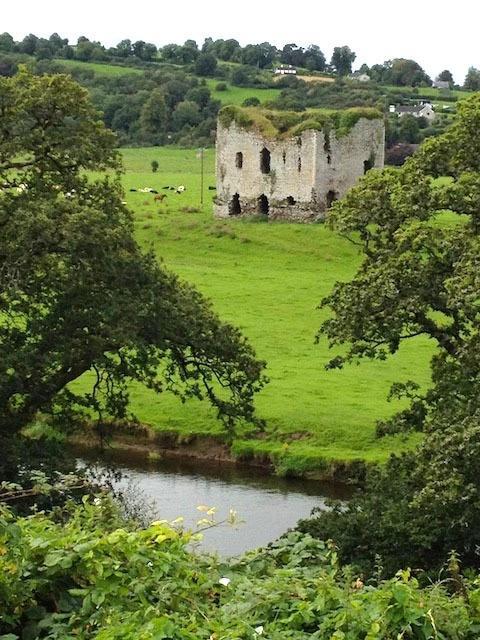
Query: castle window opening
[(329, 159), (265, 160), (299, 165), (291, 200), (299, 142), (367, 165), (262, 205), (234, 207), (331, 197), (284, 157), (239, 159)]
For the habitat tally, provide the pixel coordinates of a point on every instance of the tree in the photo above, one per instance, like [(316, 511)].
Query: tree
[(186, 113), (205, 64), (342, 60), (472, 80), (401, 72), (124, 48), (258, 55), (446, 76), (28, 44), (418, 278), (409, 128), (77, 294), (155, 166), (153, 116), (292, 54), (315, 59), (7, 43)]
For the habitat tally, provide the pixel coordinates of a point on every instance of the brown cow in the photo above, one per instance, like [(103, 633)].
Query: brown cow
[(160, 198)]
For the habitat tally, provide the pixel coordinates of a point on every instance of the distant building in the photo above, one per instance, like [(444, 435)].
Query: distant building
[(360, 77), (422, 110), (441, 84), (285, 70), (292, 176)]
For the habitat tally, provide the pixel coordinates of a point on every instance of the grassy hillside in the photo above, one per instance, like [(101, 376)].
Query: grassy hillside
[(268, 279), (97, 67), (236, 95)]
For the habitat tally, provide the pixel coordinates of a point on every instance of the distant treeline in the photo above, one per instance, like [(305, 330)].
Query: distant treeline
[(169, 102), (205, 58)]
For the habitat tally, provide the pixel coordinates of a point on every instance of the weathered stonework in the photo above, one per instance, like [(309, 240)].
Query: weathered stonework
[(294, 178)]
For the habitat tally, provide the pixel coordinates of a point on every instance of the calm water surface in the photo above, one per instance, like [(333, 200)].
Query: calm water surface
[(267, 505)]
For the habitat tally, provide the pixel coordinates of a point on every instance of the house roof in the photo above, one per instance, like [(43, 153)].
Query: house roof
[(412, 108)]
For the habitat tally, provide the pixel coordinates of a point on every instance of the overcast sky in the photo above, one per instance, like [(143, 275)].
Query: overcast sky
[(438, 35)]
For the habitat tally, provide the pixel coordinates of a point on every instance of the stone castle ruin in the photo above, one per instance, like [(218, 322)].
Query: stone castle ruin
[(292, 166)]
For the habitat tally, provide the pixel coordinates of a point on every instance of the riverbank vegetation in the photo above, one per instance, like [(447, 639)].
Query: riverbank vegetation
[(416, 278), (83, 571)]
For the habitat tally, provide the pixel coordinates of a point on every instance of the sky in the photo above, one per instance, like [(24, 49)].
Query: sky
[(437, 35)]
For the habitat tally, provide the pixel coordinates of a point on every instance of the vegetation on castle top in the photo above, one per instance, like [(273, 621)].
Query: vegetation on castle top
[(285, 124)]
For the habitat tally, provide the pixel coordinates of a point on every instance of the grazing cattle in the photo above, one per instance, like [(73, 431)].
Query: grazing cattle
[(181, 189), (133, 190), (160, 197), (153, 191)]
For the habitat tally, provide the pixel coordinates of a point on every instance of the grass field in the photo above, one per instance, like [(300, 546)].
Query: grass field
[(236, 95), (97, 67), (268, 279)]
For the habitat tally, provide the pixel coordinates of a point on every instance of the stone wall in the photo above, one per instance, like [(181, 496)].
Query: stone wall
[(305, 173)]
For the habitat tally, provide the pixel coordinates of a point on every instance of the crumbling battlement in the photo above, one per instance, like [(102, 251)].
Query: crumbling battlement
[(295, 174)]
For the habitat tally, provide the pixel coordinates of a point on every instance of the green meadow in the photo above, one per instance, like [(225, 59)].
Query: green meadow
[(267, 278), (111, 70), (236, 95)]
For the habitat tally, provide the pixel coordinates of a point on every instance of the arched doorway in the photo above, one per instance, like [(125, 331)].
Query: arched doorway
[(330, 198), (262, 205), (234, 207)]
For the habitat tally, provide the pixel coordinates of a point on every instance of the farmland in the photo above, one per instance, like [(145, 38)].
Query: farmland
[(236, 95), (268, 279)]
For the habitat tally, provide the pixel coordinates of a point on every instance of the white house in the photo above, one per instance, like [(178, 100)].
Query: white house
[(422, 110), (441, 84), (285, 70)]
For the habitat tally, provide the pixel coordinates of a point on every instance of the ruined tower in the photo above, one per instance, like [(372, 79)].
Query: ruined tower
[(292, 166)]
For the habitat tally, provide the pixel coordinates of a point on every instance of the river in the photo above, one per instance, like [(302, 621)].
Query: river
[(266, 505)]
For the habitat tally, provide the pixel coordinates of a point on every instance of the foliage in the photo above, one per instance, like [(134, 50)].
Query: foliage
[(446, 76), (77, 293), (342, 60), (84, 571), (205, 64), (283, 124), (417, 278), (311, 58), (400, 72), (472, 80)]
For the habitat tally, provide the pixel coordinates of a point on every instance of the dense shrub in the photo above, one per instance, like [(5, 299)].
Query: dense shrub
[(83, 572)]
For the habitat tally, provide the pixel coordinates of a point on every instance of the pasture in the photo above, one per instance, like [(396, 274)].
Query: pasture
[(111, 70), (236, 95), (268, 279)]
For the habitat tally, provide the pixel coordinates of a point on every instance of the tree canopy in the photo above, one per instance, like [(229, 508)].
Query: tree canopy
[(419, 277), (77, 294)]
